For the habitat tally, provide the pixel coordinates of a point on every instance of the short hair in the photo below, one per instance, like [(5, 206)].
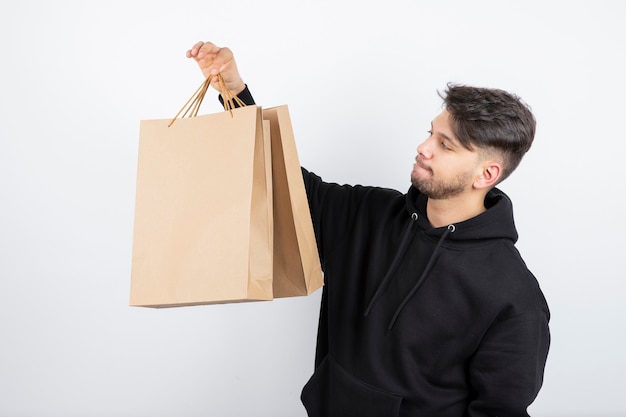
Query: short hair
[(492, 120)]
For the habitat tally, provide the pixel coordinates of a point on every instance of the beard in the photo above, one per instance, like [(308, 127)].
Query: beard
[(440, 189)]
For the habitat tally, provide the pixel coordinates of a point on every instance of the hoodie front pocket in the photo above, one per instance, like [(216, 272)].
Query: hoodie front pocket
[(334, 392)]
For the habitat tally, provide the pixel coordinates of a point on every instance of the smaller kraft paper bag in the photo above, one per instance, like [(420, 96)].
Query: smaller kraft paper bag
[(297, 269)]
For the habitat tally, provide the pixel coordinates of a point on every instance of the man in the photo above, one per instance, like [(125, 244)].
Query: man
[(428, 309)]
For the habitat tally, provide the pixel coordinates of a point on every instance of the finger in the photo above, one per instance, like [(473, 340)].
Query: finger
[(208, 48), (193, 52)]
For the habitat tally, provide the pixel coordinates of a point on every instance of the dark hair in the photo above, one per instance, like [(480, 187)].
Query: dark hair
[(491, 119)]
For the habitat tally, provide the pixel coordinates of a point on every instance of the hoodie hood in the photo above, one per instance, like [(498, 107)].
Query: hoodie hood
[(495, 223)]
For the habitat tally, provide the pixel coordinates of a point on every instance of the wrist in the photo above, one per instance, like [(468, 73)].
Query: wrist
[(238, 88)]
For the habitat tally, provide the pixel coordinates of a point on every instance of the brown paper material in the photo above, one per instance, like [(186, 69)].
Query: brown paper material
[(203, 220), (221, 212)]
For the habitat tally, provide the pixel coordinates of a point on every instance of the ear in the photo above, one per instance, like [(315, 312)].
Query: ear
[(489, 176)]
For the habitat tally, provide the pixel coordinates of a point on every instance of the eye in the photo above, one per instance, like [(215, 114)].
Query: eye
[(430, 132), (445, 146)]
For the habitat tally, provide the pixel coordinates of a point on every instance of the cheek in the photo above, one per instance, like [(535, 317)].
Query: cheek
[(454, 168)]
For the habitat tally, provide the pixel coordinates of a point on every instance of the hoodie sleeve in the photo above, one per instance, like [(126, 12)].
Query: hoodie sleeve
[(334, 210), (507, 370), (326, 201)]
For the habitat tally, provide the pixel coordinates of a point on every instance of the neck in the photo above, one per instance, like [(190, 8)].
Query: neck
[(454, 210)]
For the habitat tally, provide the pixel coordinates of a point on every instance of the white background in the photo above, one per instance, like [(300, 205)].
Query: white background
[(361, 81)]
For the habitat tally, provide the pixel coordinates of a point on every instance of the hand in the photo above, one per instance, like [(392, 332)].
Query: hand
[(214, 60)]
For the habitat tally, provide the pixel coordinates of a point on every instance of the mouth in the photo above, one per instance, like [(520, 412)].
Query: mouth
[(420, 165)]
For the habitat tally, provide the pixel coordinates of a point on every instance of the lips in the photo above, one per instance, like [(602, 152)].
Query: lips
[(419, 164)]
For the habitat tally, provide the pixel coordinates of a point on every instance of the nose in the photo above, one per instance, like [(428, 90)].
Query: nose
[(424, 150)]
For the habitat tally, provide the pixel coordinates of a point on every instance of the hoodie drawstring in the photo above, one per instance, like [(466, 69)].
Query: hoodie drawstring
[(404, 245), (451, 228)]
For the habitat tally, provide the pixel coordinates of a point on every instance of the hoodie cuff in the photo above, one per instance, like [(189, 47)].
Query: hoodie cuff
[(244, 96)]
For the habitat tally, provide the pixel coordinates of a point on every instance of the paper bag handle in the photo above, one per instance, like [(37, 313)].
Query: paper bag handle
[(192, 106)]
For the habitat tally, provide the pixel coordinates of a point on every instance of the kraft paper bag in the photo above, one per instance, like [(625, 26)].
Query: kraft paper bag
[(297, 269), (203, 231)]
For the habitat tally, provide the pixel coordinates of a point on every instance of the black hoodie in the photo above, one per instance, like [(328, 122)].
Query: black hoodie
[(422, 321)]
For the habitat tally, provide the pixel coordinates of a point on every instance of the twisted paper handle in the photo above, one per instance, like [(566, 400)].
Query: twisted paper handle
[(192, 106)]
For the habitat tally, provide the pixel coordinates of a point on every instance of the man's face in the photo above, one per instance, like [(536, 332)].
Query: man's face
[(443, 167)]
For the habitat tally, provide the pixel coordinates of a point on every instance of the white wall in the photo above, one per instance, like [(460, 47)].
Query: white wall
[(360, 79)]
